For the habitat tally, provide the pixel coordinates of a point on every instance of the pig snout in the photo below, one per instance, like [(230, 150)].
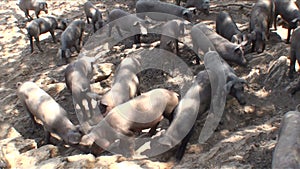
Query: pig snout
[(74, 137), (205, 7), (241, 98), (259, 46), (237, 91), (44, 7)]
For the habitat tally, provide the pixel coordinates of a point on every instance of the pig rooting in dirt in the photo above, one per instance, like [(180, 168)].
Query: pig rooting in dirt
[(142, 112), (229, 51), (226, 27), (44, 108), (92, 12), (260, 22), (71, 37), (43, 25), (125, 84), (36, 5)]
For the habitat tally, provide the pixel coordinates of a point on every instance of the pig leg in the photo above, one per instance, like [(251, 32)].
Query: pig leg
[(119, 31), (153, 130), (37, 42), (37, 12), (109, 30), (182, 147), (292, 63), (52, 35), (176, 46), (94, 26), (47, 136), (77, 47), (87, 20), (289, 36), (33, 122), (27, 14), (31, 43), (275, 19), (126, 147)]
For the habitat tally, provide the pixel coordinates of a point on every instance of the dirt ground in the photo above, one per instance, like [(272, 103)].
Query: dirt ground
[(246, 136)]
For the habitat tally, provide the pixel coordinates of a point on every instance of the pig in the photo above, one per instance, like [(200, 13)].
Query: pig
[(260, 23), (77, 78), (143, 7), (229, 51), (127, 22), (287, 150), (36, 5), (170, 33), (202, 5), (125, 84), (294, 51), (289, 12), (71, 37), (193, 104), (43, 107), (226, 27), (144, 111), (92, 12), (42, 25)]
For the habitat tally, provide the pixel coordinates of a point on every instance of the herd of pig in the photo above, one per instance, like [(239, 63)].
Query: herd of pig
[(227, 41)]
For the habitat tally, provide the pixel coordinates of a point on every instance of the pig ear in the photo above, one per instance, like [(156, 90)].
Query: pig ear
[(186, 12), (243, 81), (295, 20), (192, 9), (237, 50), (136, 23), (228, 86)]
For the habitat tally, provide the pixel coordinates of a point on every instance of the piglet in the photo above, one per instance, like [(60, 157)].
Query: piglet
[(71, 37), (226, 27), (92, 12), (43, 107), (125, 84), (260, 22), (42, 25), (170, 34), (142, 112), (36, 5)]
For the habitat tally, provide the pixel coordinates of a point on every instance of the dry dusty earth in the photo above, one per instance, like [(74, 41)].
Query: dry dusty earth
[(245, 138)]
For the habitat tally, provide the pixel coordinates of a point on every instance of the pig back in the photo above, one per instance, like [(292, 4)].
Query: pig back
[(39, 103), (287, 150)]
